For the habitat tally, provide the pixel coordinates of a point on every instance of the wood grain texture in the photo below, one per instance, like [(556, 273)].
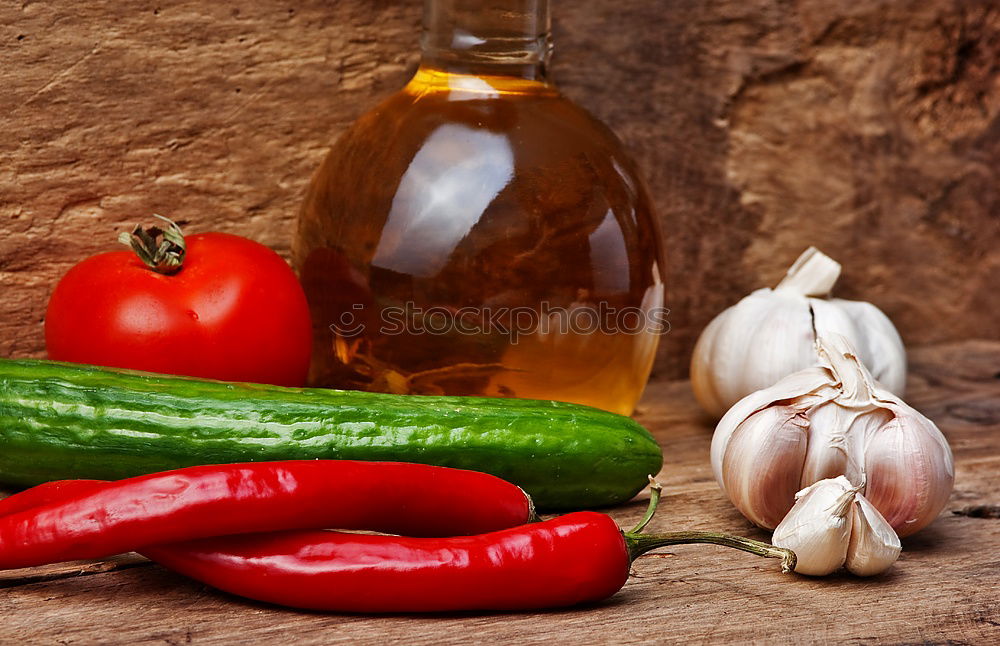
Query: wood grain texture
[(944, 589), (868, 128)]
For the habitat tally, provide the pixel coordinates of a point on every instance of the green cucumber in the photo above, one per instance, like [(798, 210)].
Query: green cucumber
[(61, 421)]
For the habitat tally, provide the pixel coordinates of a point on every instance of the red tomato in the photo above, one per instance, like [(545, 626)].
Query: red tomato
[(235, 311)]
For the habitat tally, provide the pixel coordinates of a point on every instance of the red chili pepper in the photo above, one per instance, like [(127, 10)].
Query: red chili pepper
[(577, 558), (102, 519), (45, 494)]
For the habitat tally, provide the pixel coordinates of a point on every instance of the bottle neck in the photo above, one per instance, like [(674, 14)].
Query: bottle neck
[(488, 37)]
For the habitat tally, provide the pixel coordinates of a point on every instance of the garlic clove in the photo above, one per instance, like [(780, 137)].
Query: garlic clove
[(832, 525), (864, 426), (803, 389), (818, 527), (827, 453), (874, 546), (909, 469), (762, 464)]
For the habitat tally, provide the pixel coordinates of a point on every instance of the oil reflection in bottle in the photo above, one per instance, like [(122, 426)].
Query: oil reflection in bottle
[(450, 183)]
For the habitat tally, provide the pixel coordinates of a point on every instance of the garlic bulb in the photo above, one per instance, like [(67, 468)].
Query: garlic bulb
[(831, 526), (771, 333), (825, 422)]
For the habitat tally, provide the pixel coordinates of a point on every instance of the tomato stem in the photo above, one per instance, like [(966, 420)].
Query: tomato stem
[(161, 249), (638, 543)]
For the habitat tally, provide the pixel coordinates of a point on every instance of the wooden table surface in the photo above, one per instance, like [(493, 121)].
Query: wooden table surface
[(944, 589)]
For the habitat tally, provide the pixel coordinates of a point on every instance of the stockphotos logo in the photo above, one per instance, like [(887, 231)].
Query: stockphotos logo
[(512, 322)]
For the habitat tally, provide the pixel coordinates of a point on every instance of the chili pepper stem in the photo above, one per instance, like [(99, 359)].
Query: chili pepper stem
[(655, 490), (638, 543), (533, 516)]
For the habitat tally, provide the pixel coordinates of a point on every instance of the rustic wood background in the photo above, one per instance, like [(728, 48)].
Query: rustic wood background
[(866, 127)]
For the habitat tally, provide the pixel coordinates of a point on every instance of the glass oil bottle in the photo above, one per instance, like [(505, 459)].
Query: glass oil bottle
[(479, 234)]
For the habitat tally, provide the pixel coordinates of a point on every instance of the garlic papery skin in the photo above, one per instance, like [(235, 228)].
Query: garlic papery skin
[(831, 525), (772, 333), (853, 427)]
